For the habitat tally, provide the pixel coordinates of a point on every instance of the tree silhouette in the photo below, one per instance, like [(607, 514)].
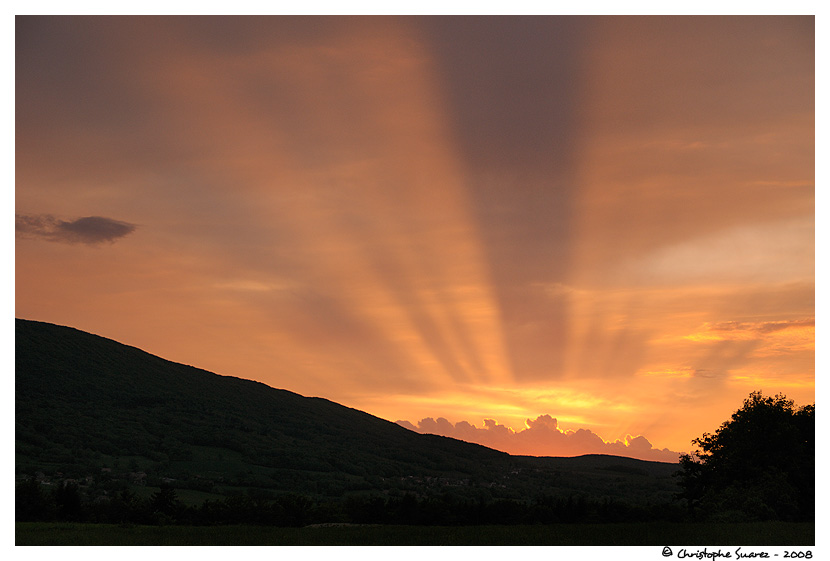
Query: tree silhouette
[(68, 501), (164, 500), (123, 507), (31, 503), (760, 464)]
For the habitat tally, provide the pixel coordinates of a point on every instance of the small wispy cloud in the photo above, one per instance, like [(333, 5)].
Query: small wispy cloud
[(89, 230), (773, 337)]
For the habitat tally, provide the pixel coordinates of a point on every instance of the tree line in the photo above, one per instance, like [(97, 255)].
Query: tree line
[(66, 502)]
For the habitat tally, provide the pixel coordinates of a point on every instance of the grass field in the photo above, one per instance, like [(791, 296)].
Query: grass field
[(658, 534)]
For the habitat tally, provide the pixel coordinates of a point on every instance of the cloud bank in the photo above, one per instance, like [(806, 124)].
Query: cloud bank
[(542, 437), (89, 230)]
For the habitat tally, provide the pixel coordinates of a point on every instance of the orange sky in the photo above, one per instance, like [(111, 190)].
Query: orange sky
[(596, 234)]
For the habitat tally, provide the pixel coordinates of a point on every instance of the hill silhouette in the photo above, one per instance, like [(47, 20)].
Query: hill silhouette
[(110, 417)]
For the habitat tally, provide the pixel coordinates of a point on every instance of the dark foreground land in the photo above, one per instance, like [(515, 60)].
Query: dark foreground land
[(114, 446), (623, 534)]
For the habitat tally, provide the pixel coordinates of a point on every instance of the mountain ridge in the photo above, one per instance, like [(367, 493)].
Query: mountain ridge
[(86, 404)]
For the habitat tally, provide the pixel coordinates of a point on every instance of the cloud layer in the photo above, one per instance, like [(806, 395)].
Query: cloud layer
[(89, 230), (542, 437)]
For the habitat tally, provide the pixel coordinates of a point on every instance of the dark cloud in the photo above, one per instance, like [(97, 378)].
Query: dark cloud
[(542, 437), (88, 230)]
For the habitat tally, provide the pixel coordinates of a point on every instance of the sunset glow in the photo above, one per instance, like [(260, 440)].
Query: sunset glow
[(549, 235)]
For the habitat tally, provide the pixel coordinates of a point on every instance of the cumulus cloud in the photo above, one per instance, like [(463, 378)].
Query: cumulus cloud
[(88, 230), (542, 437)]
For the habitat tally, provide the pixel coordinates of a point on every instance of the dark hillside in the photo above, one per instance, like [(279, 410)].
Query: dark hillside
[(109, 417), (78, 394)]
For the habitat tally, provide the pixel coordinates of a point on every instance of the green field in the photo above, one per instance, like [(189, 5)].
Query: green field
[(656, 534)]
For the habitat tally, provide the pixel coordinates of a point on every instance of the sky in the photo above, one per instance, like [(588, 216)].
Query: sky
[(550, 235)]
